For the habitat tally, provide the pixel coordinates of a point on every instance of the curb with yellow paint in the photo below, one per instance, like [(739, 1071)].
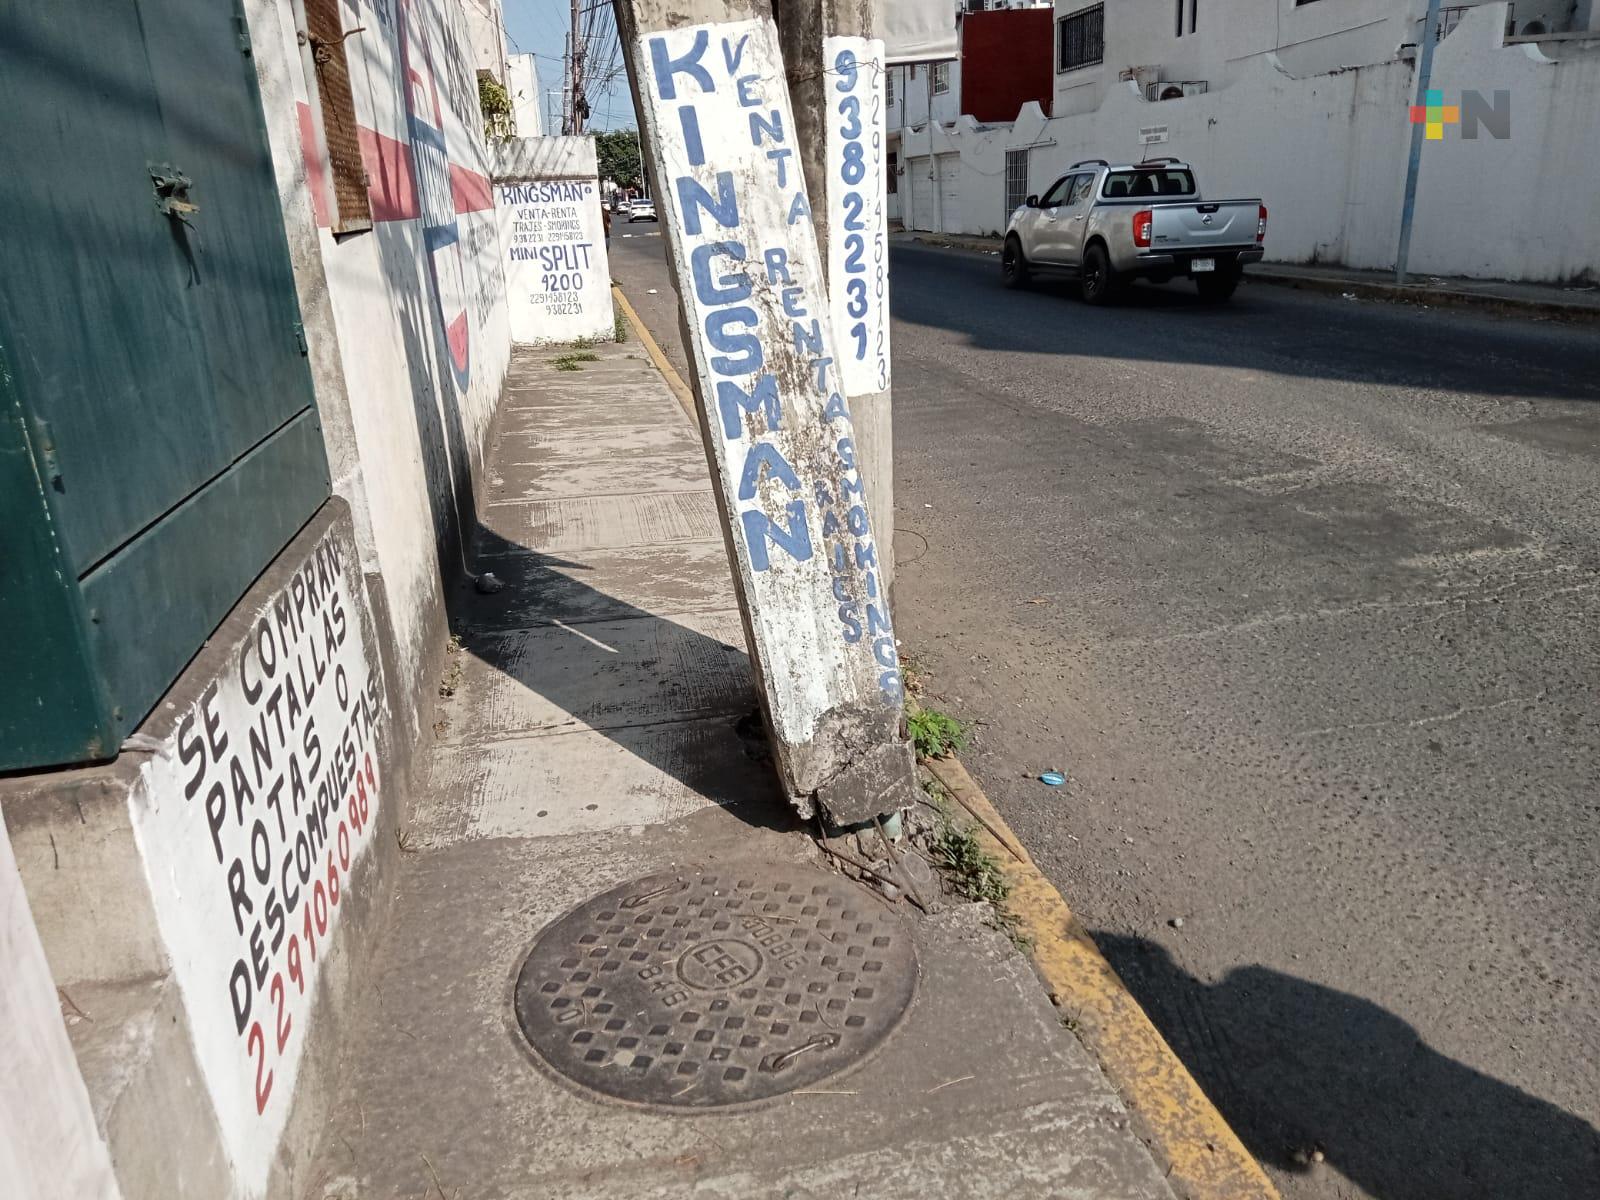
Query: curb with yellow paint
[(1204, 1158), (657, 355)]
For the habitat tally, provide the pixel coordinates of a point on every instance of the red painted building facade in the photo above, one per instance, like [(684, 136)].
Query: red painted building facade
[(1006, 60)]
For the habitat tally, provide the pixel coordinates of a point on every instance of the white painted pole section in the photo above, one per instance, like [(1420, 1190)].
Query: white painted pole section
[(858, 241), (858, 258), (743, 250)]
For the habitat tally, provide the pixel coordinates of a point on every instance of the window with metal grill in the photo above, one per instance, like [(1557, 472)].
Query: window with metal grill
[(1081, 38), (325, 37), (1016, 180)]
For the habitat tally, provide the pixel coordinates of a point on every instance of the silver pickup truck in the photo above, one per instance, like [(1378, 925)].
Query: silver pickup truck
[(1106, 224)]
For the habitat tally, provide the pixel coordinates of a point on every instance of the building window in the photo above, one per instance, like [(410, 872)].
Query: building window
[(941, 78), (1016, 180), (888, 84), (325, 37), (1081, 38)]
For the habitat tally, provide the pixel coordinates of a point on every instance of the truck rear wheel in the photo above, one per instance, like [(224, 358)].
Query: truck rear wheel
[(1097, 281), (1216, 288), (1014, 272)]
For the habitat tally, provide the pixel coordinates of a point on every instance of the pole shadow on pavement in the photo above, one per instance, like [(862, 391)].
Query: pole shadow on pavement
[(614, 676), (1296, 1068)]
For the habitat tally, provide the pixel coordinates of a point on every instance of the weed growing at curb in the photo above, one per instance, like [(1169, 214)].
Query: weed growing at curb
[(569, 362), (935, 734), (972, 872), (619, 328)]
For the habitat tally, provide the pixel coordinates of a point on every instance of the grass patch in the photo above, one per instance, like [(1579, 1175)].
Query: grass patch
[(935, 734), (569, 362), (973, 873), (619, 328), (583, 343)]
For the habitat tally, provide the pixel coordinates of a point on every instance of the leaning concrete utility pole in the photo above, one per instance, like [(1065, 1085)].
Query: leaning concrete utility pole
[(836, 84), (720, 142)]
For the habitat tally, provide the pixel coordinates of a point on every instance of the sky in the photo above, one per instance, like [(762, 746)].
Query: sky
[(539, 27)]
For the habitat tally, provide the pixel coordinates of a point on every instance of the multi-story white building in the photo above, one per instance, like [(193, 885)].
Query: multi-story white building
[(1173, 48), (1307, 103), (916, 94), (527, 110)]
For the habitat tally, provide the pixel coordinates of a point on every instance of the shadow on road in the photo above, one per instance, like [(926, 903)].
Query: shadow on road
[(1263, 328), (1297, 1067)]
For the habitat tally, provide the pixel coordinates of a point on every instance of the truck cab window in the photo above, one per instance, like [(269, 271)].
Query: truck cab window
[(1057, 194)]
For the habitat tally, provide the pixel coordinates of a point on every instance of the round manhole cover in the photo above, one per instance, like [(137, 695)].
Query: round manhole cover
[(700, 989)]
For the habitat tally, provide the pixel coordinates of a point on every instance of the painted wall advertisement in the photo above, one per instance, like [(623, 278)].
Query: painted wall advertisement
[(558, 283), (858, 241), (739, 227), (253, 818)]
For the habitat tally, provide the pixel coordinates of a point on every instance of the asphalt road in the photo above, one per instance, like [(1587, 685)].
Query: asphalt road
[(1301, 594)]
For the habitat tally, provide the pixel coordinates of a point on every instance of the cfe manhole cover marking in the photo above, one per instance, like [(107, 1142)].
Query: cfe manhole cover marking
[(703, 989)]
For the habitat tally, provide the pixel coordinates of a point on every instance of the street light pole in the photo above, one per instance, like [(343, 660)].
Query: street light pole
[(1408, 209)]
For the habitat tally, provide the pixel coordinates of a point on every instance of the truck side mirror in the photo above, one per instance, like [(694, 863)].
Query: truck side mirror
[(1033, 202)]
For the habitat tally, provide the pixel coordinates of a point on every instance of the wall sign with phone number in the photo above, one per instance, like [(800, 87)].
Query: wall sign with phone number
[(858, 237)]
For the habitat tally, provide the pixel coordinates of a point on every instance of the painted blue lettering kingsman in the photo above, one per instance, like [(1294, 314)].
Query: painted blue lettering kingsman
[(739, 226)]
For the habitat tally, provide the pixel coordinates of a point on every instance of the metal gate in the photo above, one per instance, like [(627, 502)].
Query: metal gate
[(947, 174), (158, 440), (923, 215)]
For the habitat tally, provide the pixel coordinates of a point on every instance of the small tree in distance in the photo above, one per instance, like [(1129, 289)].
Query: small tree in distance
[(618, 154)]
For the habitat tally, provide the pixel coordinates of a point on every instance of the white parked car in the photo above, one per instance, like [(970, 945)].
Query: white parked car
[(642, 209)]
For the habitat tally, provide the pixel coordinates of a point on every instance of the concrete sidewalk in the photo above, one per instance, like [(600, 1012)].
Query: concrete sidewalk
[(589, 738), (1579, 303)]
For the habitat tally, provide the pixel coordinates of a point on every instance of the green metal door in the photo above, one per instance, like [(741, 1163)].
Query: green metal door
[(159, 442)]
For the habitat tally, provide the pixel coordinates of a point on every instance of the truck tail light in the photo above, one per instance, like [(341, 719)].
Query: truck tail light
[(1261, 225), (1141, 226)]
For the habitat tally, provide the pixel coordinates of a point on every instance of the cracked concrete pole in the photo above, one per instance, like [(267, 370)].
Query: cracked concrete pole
[(837, 88), (720, 144)]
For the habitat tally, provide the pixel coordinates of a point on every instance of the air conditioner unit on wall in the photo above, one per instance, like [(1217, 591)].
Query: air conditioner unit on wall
[(1174, 89)]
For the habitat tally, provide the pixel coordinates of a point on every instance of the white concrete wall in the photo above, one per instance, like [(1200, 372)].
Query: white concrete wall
[(1308, 39), (415, 307), (49, 1146), (486, 35), (1327, 154), (914, 103), (527, 114)]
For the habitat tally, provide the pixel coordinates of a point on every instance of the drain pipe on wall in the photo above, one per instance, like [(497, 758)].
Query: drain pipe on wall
[(1408, 211)]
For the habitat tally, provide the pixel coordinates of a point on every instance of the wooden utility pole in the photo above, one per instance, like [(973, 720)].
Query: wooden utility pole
[(575, 71), (723, 152), (836, 84)]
